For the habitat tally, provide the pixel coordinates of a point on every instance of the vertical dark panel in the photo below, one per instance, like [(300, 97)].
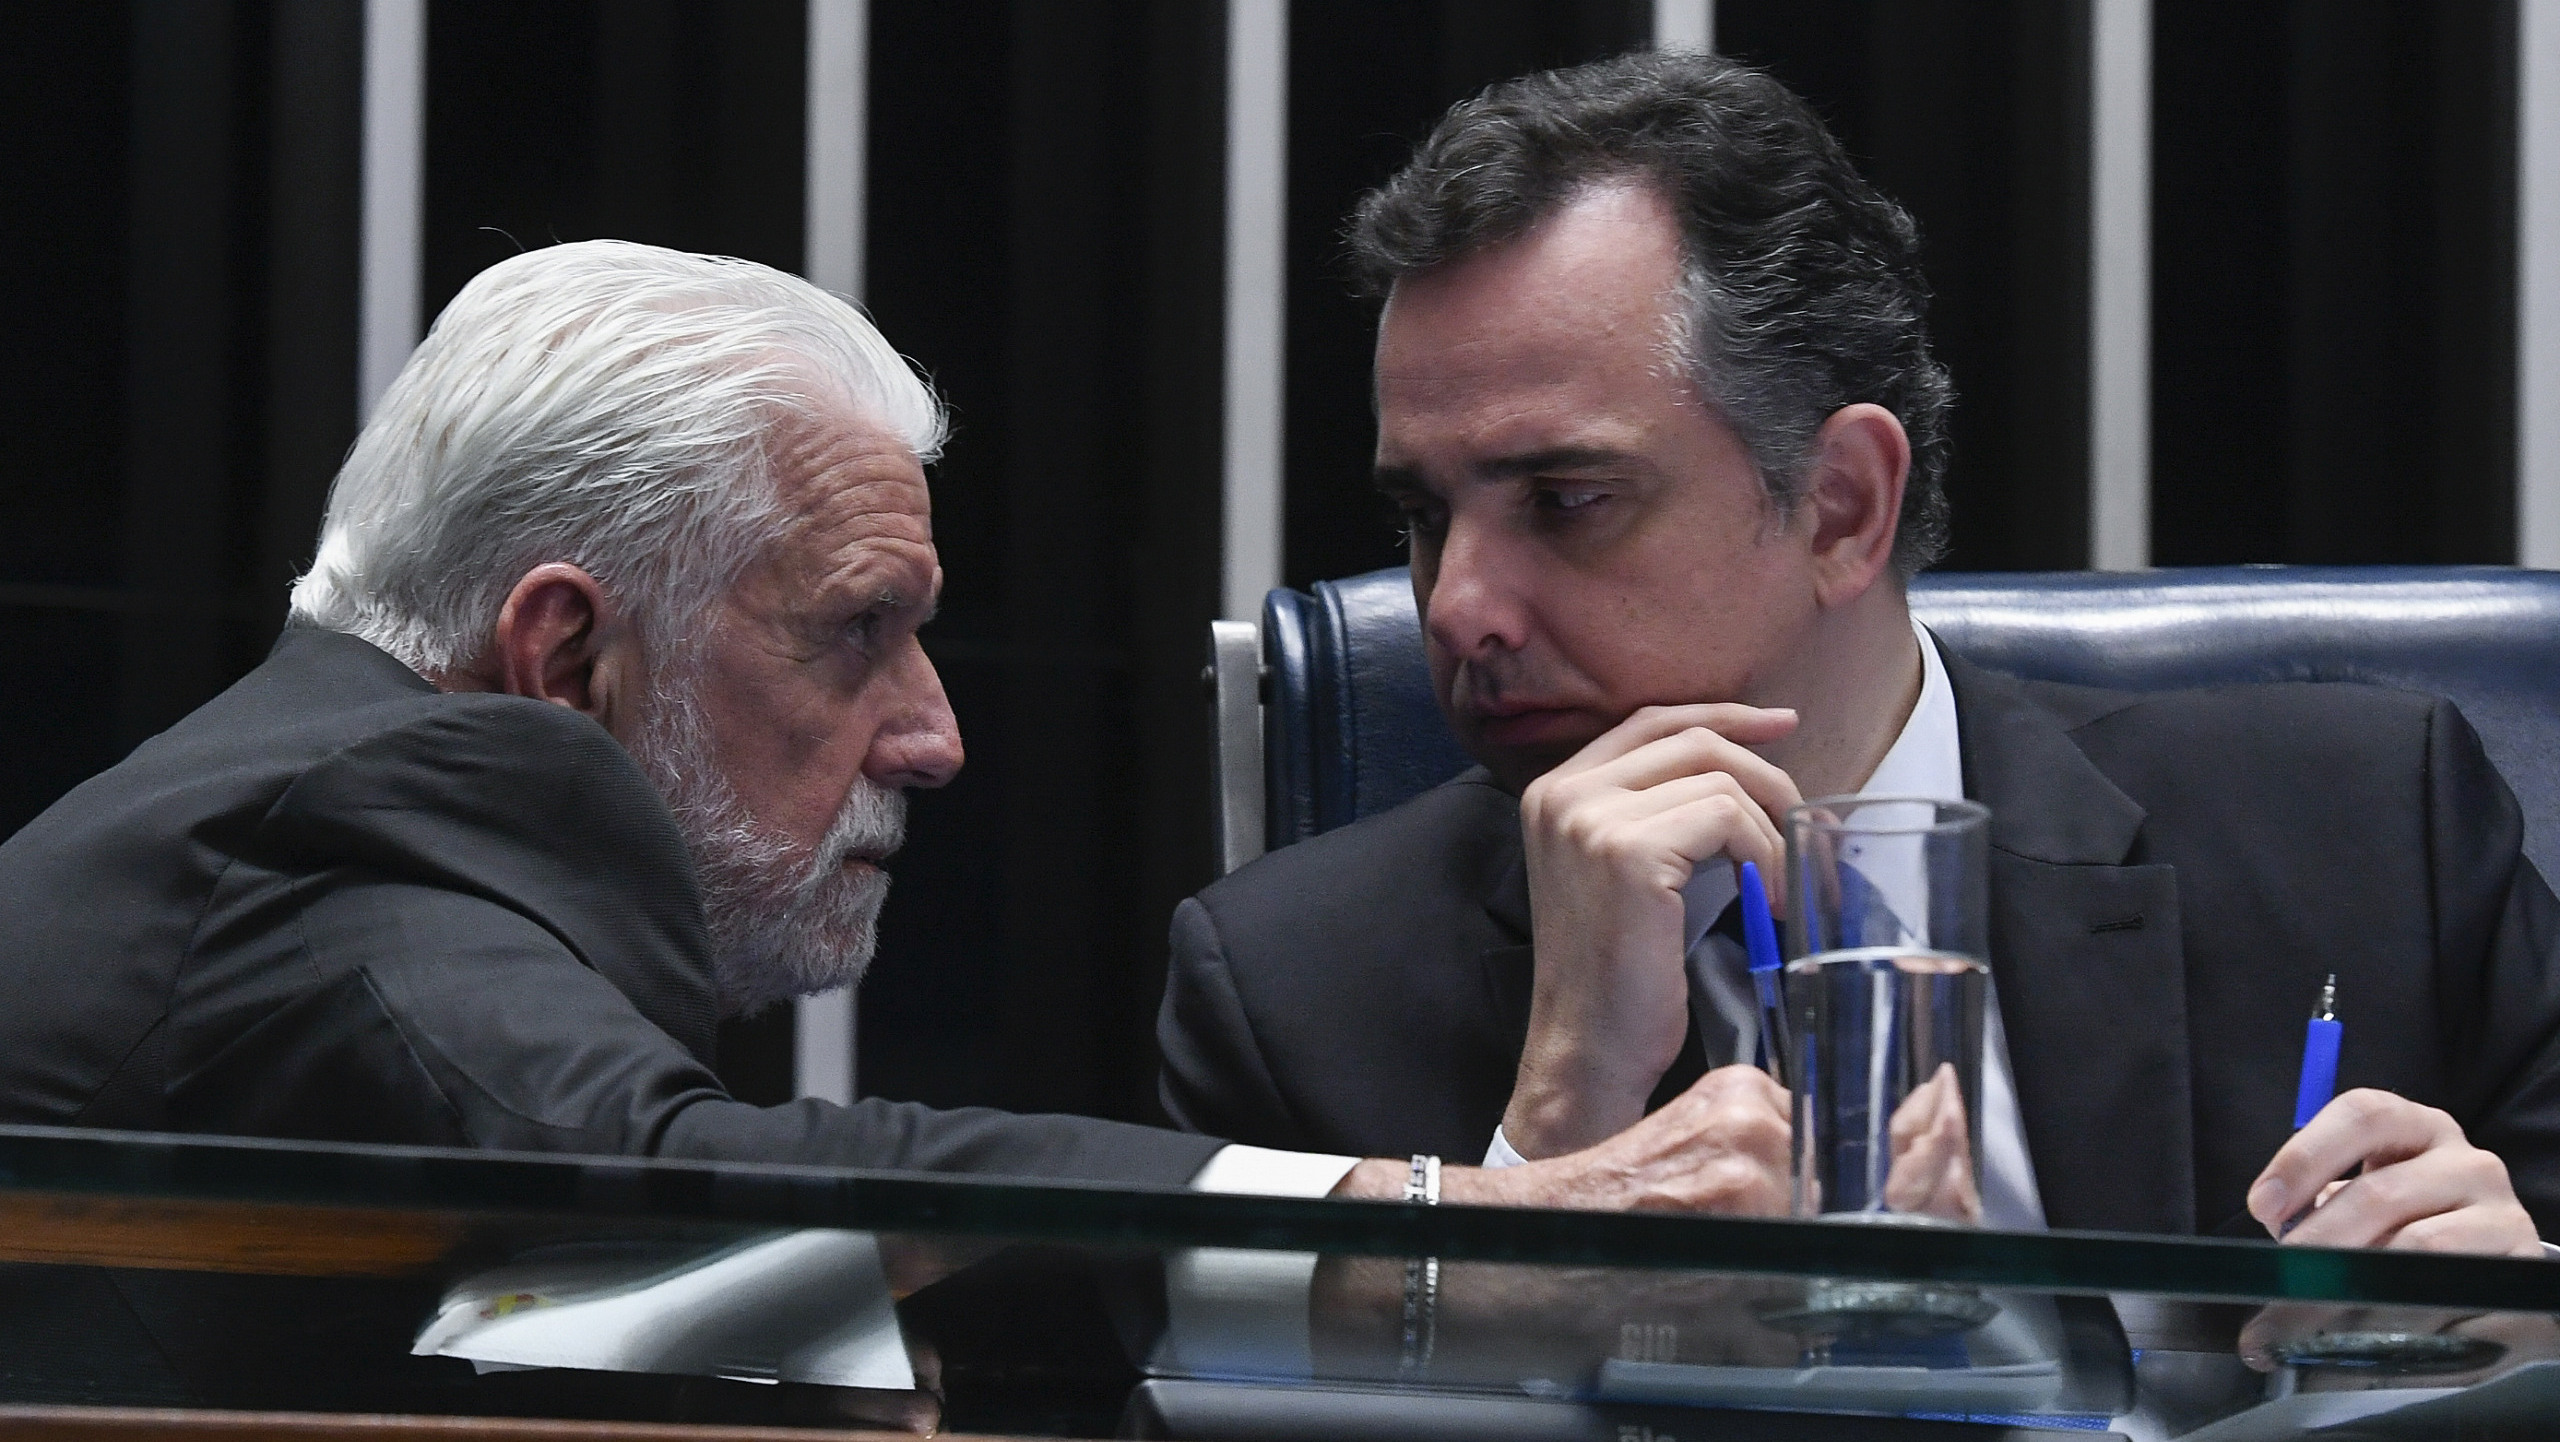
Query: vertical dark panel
[(2034, 514), (183, 327), (182, 196), (2359, 200), (2333, 353), (675, 122), (314, 213), (1171, 588), (640, 69), (2218, 282), (64, 99), (746, 164), (1044, 239), (697, 125), (509, 146), (2472, 151), (939, 250), (1977, 121), (1065, 689)]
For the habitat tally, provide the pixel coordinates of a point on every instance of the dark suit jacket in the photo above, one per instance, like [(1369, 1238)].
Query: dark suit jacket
[(2172, 875), (337, 904)]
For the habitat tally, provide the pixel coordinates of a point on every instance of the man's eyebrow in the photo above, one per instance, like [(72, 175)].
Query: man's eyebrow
[(891, 601), (1557, 458), (1396, 480), (1403, 480)]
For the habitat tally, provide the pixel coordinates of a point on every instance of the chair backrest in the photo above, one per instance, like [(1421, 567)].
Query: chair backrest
[(1350, 727)]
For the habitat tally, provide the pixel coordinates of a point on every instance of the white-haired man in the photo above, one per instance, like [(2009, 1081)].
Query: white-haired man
[(593, 725)]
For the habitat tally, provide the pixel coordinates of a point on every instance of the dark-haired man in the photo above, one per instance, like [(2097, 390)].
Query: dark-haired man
[(1655, 396)]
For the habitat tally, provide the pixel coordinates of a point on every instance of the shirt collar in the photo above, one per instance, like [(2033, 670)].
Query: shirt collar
[(1927, 759)]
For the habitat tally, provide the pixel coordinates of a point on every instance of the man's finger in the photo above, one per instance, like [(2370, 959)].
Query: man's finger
[(1749, 725), (2454, 1198), (1721, 1146), (1671, 776), (1744, 1081), (1691, 751), (2360, 1128), (1709, 816), (2369, 1209), (1932, 1169), (1674, 828), (2495, 1231)]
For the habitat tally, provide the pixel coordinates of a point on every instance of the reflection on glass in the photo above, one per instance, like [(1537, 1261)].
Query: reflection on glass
[(165, 1272), (1629, 1336)]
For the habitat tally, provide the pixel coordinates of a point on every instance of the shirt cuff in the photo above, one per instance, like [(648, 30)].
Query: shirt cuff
[(1262, 1172), (1500, 1153)]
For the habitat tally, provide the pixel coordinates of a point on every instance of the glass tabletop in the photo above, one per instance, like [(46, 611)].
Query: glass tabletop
[(146, 1269)]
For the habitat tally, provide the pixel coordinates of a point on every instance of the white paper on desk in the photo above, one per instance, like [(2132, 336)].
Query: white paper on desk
[(805, 1306)]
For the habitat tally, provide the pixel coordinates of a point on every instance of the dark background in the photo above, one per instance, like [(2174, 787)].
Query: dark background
[(2332, 353)]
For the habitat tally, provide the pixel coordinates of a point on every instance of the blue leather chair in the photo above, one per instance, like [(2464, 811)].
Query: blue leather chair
[(1349, 727)]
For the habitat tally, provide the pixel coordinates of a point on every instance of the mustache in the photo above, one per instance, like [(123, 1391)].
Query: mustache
[(872, 825), (1477, 682)]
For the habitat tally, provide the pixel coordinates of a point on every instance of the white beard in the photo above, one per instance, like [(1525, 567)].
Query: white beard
[(784, 921)]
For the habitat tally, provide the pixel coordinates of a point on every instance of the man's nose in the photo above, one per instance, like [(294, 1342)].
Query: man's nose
[(1474, 604), (919, 744)]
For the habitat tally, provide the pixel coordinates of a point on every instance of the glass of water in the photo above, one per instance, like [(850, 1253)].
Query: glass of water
[(1889, 898)]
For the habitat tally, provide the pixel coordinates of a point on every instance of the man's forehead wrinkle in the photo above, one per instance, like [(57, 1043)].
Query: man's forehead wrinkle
[(870, 570), (865, 510), (823, 453)]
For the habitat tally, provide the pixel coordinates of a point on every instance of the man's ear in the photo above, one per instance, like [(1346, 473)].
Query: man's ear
[(561, 639), (1852, 499)]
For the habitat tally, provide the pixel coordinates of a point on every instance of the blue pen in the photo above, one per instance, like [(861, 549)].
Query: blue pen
[(2319, 1057), (1760, 940)]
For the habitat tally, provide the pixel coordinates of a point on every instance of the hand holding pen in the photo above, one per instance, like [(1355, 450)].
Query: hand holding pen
[(2372, 1169)]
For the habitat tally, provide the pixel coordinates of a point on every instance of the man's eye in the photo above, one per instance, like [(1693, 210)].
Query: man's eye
[(1570, 498), (1421, 520)]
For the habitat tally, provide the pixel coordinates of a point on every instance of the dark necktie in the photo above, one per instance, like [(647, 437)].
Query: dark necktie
[(1721, 963), (1710, 1038)]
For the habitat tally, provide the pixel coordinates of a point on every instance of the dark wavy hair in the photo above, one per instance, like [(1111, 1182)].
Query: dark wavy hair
[(1800, 291)]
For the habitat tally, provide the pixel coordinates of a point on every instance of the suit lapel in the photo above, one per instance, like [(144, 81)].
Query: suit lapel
[(2086, 951)]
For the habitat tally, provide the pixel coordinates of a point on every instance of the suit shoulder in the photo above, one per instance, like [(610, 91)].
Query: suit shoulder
[(1451, 844), (2233, 760), (1452, 825), (2327, 721), (501, 744)]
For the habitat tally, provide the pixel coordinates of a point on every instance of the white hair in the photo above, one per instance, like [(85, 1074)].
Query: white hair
[(601, 403)]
